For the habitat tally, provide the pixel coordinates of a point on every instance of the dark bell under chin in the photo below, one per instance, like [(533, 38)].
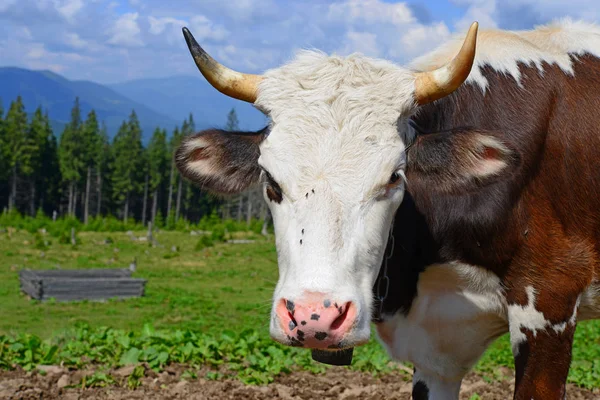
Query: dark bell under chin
[(336, 357)]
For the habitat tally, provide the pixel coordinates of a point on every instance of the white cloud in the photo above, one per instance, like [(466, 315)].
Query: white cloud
[(126, 31), (73, 40), (361, 42), (37, 51), (6, 4), (248, 35), (204, 29), (371, 12), (420, 39), (69, 8), (158, 25)]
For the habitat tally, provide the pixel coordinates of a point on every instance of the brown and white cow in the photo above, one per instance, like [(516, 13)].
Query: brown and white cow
[(484, 159)]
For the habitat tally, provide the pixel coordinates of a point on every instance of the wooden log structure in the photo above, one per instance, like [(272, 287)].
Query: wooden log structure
[(82, 284)]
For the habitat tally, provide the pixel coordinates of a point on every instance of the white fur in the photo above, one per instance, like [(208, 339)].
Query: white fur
[(333, 146), (529, 318), (504, 50), (460, 309), (458, 312)]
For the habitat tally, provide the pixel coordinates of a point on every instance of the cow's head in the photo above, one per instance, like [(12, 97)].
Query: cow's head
[(332, 164)]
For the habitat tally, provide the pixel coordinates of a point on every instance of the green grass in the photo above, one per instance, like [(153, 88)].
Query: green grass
[(204, 305), (186, 289)]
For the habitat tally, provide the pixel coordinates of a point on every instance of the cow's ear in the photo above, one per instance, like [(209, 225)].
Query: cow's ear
[(219, 161), (461, 160)]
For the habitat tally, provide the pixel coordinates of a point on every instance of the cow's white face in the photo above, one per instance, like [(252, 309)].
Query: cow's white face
[(333, 166)]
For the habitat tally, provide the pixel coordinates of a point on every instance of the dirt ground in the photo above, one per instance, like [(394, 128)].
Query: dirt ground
[(337, 383)]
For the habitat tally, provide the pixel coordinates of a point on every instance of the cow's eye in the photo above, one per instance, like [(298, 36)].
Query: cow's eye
[(273, 189), (394, 178)]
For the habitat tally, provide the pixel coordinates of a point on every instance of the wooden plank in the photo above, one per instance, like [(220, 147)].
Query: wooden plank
[(83, 273), (93, 290), (79, 297), (93, 294), (86, 284)]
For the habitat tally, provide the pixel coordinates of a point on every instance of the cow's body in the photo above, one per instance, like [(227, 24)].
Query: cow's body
[(496, 227), (480, 256)]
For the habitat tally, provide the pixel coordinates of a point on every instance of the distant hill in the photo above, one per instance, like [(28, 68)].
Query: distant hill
[(56, 94), (177, 96)]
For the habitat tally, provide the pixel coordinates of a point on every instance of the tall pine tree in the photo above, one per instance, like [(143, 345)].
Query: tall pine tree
[(127, 150), (15, 137), (31, 162), (50, 171), (103, 163), (3, 159), (71, 153), (232, 121), (91, 141), (158, 159), (173, 144)]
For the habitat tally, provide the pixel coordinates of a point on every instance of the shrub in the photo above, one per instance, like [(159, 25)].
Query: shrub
[(203, 243), (218, 233), (40, 242)]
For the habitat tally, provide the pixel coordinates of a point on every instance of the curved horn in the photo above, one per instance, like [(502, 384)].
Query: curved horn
[(433, 85), (227, 81)]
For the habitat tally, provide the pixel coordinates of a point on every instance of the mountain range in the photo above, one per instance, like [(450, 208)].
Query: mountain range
[(160, 102)]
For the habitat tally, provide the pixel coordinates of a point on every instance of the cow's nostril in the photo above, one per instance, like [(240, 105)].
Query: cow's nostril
[(292, 320), (340, 320)]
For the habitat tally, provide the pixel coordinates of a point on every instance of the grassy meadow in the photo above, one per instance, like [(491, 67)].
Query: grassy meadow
[(202, 306)]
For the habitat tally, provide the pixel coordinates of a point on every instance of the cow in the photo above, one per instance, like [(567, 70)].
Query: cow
[(450, 201)]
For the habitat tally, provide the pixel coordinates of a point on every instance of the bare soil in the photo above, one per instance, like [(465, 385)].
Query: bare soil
[(336, 383)]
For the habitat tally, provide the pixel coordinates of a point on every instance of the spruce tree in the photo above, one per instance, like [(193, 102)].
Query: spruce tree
[(3, 156), (72, 150), (31, 161), (232, 121), (91, 142), (173, 144), (50, 171), (158, 159), (15, 137), (127, 152), (103, 163)]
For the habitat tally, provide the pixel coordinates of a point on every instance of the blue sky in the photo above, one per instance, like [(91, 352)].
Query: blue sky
[(116, 40)]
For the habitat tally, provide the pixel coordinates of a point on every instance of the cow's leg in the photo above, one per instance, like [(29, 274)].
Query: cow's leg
[(431, 387), (542, 324)]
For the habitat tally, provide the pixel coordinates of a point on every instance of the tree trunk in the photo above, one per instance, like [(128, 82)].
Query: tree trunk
[(75, 200), (170, 201), (249, 212), (239, 212), (144, 206), (149, 236), (126, 209), (178, 207), (70, 207), (12, 198), (86, 206), (32, 199), (99, 189), (154, 205), (264, 230)]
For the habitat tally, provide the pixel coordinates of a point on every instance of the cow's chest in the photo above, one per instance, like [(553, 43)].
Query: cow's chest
[(458, 311)]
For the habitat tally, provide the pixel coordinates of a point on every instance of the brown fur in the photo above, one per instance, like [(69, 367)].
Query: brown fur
[(540, 226)]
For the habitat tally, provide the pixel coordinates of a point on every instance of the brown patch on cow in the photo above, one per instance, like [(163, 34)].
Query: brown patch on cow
[(538, 227)]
